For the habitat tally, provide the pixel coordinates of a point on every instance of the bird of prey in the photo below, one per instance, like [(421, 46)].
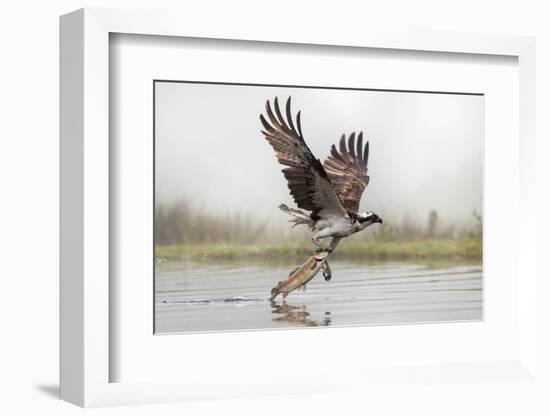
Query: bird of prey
[(330, 191)]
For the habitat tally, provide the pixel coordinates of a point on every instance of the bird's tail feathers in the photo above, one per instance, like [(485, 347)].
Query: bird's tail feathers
[(300, 217)]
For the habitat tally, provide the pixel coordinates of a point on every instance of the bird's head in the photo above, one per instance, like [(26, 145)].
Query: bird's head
[(368, 218)]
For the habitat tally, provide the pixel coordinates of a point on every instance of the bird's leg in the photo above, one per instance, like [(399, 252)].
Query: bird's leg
[(324, 234), (335, 241), (327, 273), (316, 241)]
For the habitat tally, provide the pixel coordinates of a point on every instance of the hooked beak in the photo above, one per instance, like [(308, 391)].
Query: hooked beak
[(378, 220)]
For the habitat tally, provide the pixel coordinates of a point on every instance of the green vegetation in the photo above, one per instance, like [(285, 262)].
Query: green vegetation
[(422, 249), (185, 233)]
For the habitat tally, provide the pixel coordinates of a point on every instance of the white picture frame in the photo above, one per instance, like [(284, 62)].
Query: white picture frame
[(85, 220)]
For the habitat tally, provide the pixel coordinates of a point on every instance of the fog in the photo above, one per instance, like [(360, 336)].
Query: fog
[(425, 149)]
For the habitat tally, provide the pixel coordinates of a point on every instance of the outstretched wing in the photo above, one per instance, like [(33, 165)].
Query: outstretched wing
[(307, 180), (347, 170)]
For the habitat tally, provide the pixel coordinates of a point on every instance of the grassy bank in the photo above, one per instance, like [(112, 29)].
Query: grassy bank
[(424, 249)]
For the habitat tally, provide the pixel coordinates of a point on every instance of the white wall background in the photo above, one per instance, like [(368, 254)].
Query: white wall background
[(29, 209)]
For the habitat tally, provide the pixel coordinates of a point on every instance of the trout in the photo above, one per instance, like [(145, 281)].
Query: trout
[(301, 275)]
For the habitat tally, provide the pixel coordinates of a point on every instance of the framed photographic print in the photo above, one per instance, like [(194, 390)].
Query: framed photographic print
[(265, 191), (222, 242)]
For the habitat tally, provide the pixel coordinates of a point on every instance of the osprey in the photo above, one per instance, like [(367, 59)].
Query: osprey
[(330, 191)]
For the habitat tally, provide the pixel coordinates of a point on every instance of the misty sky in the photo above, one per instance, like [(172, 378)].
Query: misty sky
[(425, 149)]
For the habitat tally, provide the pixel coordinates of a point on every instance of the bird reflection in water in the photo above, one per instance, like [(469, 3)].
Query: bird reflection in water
[(296, 315)]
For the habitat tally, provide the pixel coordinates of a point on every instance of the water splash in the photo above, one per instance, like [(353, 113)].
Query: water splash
[(230, 299)]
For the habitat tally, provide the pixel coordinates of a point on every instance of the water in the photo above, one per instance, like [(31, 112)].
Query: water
[(234, 297)]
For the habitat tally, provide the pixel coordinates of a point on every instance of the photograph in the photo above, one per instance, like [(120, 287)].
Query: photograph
[(280, 206)]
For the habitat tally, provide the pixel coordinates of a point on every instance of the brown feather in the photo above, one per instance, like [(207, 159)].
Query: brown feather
[(347, 171), (306, 177)]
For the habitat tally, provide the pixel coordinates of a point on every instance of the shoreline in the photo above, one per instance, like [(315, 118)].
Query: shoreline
[(466, 249)]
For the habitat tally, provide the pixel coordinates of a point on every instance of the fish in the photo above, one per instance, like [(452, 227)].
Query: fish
[(301, 275)]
